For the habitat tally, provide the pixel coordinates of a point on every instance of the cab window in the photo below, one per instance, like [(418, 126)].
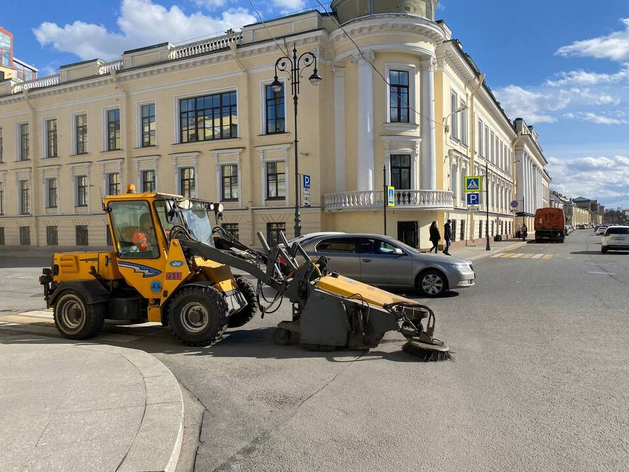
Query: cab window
[(134, 231), (167, 217), (376, 246), (346, 245)]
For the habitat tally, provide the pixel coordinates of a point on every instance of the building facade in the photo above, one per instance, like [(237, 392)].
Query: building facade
[(11, 66), (408, 108)]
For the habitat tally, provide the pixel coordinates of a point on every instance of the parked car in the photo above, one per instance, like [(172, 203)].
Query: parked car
[(387, 262), (615, 238), (601, 229)]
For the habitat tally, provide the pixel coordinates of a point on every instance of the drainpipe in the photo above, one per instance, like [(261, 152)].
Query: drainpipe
[(234, 50), (472, 149), (34, 160)]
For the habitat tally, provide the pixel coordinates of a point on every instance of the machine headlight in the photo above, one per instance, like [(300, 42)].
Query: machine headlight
[(462, 267)]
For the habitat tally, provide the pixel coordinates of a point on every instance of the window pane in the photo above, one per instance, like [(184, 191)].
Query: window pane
[(134, 231)]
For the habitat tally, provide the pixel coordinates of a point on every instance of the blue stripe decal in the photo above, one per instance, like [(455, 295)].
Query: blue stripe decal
[(146, 271)]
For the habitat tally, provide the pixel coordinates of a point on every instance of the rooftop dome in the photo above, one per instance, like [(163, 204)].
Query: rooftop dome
[(347, 10)]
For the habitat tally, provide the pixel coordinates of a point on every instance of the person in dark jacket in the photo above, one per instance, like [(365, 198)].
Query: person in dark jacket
[(447, 235), (435, 237)]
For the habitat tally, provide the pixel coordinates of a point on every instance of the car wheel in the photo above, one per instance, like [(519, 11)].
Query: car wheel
[(77, 320), (431, 283)]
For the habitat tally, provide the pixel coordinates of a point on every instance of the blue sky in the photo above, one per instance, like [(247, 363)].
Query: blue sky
[(563, 66)]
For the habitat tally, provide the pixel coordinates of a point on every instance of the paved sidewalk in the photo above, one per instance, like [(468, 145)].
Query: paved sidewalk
[(479, 251), (67, 406)]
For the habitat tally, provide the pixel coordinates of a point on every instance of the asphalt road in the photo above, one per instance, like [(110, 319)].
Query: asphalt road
[(539, 381)]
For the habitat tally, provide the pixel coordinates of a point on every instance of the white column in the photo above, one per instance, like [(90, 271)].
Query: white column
[(339, 127), (366, 156), (429, 151)]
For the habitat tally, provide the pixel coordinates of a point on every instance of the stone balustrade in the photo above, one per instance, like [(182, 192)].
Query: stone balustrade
[(374, 199), (205, 46)]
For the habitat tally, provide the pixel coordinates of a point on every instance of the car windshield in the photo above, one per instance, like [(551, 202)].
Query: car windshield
[(198, 221)]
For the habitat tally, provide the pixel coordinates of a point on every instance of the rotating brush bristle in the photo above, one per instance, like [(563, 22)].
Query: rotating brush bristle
[(426, 353)]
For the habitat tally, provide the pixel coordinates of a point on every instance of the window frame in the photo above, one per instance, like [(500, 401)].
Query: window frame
[(281, 226), (179, 107), (52, 232), (81, 202), (1, 197), (25, 234), (281, 105), (267, 175), (409, 167), (24, 200), (52, 193), (23, 142), (481, 141), (232, 188), (180, 179), (80, 134), (1, 145), (112, 132), (51, 137), (464, 123), (117, 184), (144, 181), (141, 119), (234, 231), (398, 98), (87, 235), (454, 118)]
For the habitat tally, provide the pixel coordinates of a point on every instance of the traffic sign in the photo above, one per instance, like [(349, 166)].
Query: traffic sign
[(390, 196), (473, 198), (515, 204), (306, 181), (473, 184)]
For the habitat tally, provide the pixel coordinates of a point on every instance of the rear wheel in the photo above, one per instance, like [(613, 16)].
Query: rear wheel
[(247, 313), (75, 319), (431, 283), (197, 316)]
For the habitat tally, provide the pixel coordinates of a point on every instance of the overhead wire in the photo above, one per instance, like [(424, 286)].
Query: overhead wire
[(267, 29), (360, 51)]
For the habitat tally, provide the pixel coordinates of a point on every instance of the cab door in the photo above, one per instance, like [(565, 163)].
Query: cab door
[(140, 249)]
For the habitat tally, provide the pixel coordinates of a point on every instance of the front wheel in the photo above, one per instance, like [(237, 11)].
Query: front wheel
[(252, 309), (198, 315), (431, 283), (77, 320)]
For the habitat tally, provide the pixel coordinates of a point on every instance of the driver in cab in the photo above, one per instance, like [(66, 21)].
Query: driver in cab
[(143, 235)]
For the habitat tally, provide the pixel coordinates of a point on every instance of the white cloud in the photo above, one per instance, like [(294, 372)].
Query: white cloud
[(141, 23), (604, 178), (614, 46), (210, 4), (585, 78), (533, 106), (594, 118), (288, 6)]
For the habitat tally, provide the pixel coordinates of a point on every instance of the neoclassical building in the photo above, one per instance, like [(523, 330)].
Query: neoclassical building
[(406, 108)]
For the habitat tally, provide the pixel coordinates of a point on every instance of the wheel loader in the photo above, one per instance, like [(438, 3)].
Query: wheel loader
[(170, 264)]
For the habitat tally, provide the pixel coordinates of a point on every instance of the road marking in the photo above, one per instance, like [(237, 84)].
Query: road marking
[(516, 256), (508, 254), (601, 273), (499, 255), (537, 256), (527, 256), (548, 256)]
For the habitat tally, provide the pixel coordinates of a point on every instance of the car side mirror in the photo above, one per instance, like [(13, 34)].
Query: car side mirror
[(398, 252)]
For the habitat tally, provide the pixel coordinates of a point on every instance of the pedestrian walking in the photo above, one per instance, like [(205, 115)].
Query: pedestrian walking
[(435, 237), (447, 235), (524, 231)]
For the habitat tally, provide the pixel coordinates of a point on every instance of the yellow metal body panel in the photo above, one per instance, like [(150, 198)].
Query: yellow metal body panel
[(346, 287), (218, 273), (176, 272), (78, 266), (155, 314)]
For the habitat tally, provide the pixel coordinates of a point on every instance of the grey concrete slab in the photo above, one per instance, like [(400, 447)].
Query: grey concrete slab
[(19, 435), (158, 442), (33, 396), (103, 397), (162, 389)]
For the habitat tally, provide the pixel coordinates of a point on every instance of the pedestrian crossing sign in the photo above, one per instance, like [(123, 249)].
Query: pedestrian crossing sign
[(473, 184)]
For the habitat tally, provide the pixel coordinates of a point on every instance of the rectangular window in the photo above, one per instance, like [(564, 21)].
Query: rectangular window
[(148, 180), (1, 147), (454, 119), (275, 180), (1, 198), (51, 197), (487, 144), (492, 153), (187, 182), (113, 130), (401, 171), (462, 237), (229, 178), (273, 233), (80, 129), (82, 235), (108, 237), (24, 143), (51, 138), (207, 118), (25, 235), (148, 125), (231, 228), (25, 197), (399, 90), (275, 119), (464, 131), (113, 183), (52, 236), (481, 149), (81, 191), (2, 243)]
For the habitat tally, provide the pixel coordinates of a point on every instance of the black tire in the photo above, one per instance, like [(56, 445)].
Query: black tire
[(197, 316), (245, 315), (282, 336), (431, 283), (75, 319)]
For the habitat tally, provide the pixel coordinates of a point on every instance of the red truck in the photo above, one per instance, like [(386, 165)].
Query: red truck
[(550, 225)]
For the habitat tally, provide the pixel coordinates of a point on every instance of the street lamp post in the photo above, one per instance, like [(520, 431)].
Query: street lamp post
[(487, 247), (294, 67)]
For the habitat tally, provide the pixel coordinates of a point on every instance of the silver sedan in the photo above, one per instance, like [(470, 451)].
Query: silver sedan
[(387, 262)]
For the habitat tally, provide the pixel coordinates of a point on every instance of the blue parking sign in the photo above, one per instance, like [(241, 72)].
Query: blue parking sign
[(473, 198), (306, 181)]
